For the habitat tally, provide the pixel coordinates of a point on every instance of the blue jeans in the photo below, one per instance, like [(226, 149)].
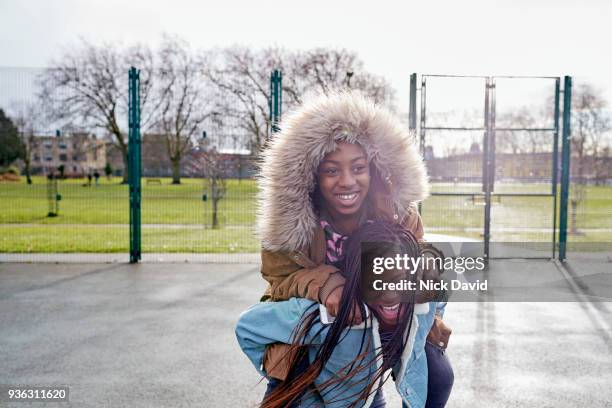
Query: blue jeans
[(440, 377)]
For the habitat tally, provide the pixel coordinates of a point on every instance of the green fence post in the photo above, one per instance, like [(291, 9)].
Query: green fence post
[(486, 167), (565, 165), (412, 107), (271, 103), (555, 164), (134, 164), (276, 90)]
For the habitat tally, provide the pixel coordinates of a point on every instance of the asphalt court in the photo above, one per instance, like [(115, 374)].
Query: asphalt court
[(162, 334)]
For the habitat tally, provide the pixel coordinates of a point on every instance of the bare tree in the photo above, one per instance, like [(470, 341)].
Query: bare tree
[(26, 121), (591, 124), (325, 69), (88, 85), (524, 141), (214, 173), (184, 103), (242, 77), (603, 163)]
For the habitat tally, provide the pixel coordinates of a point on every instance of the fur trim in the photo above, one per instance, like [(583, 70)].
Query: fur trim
[(286, 217)]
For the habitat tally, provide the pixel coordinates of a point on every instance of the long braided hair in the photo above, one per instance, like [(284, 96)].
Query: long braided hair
[(299, 383)]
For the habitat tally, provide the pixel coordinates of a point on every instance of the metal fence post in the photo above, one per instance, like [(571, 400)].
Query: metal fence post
[(555, 164), (422, 121), (412, 109), (276, 90), (270, 103), (134, 164), (565, 165), (486, 168)]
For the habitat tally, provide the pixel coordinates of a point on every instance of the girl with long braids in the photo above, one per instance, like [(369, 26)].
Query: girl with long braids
[(346, 364), (339, 160)]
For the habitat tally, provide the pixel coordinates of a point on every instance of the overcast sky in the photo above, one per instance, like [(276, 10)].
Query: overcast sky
[(394, 38)]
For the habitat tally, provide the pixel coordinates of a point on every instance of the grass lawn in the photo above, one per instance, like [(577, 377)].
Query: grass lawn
[(108, 203), (107, 239), (176, 219)]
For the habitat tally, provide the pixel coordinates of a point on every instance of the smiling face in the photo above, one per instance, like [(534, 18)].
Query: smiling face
[(388, 303), (344, 179), (388, 311), (387, 306)]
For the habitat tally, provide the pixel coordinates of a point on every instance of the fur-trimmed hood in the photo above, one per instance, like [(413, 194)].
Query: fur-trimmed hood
[(286, 217)]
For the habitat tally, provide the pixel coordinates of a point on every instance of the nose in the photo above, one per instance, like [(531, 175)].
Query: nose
[(347, 179)]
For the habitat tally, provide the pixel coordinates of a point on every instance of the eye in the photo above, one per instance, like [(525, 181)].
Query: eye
[(331, 171), (359, 169)]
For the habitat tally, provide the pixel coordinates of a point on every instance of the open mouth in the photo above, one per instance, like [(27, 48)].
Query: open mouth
[(389, 312), (348, 198)]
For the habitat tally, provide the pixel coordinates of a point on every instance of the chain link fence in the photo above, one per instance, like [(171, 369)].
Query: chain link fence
[(589, 221), (198, 192), (198, 189)]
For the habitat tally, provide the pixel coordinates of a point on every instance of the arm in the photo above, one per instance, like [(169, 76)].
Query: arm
[(297, 276), (268, 323), (440, 332)]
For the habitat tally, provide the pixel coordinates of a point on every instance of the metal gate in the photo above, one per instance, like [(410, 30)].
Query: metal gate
[(494, 171)]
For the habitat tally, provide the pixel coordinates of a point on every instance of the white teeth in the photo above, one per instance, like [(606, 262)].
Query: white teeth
[(347, 196), (394, 307)]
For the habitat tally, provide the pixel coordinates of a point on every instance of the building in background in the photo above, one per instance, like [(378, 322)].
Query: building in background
[(79, 153), (514, 167), (156, 163), (232, 165)]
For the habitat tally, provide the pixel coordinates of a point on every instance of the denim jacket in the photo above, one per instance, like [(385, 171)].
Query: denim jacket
[(270, 322)]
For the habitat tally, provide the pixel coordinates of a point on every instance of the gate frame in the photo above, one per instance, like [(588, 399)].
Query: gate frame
[(488, 168)]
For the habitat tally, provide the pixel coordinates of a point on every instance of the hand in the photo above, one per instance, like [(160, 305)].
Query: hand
[(332, 303), (439, 333)]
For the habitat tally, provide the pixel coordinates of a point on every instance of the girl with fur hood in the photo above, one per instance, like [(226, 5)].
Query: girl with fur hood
[(338, 161)]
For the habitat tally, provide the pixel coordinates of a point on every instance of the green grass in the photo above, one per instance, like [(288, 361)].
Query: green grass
[(517, 218), (106, 239), (176, 219), (109, 203)]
